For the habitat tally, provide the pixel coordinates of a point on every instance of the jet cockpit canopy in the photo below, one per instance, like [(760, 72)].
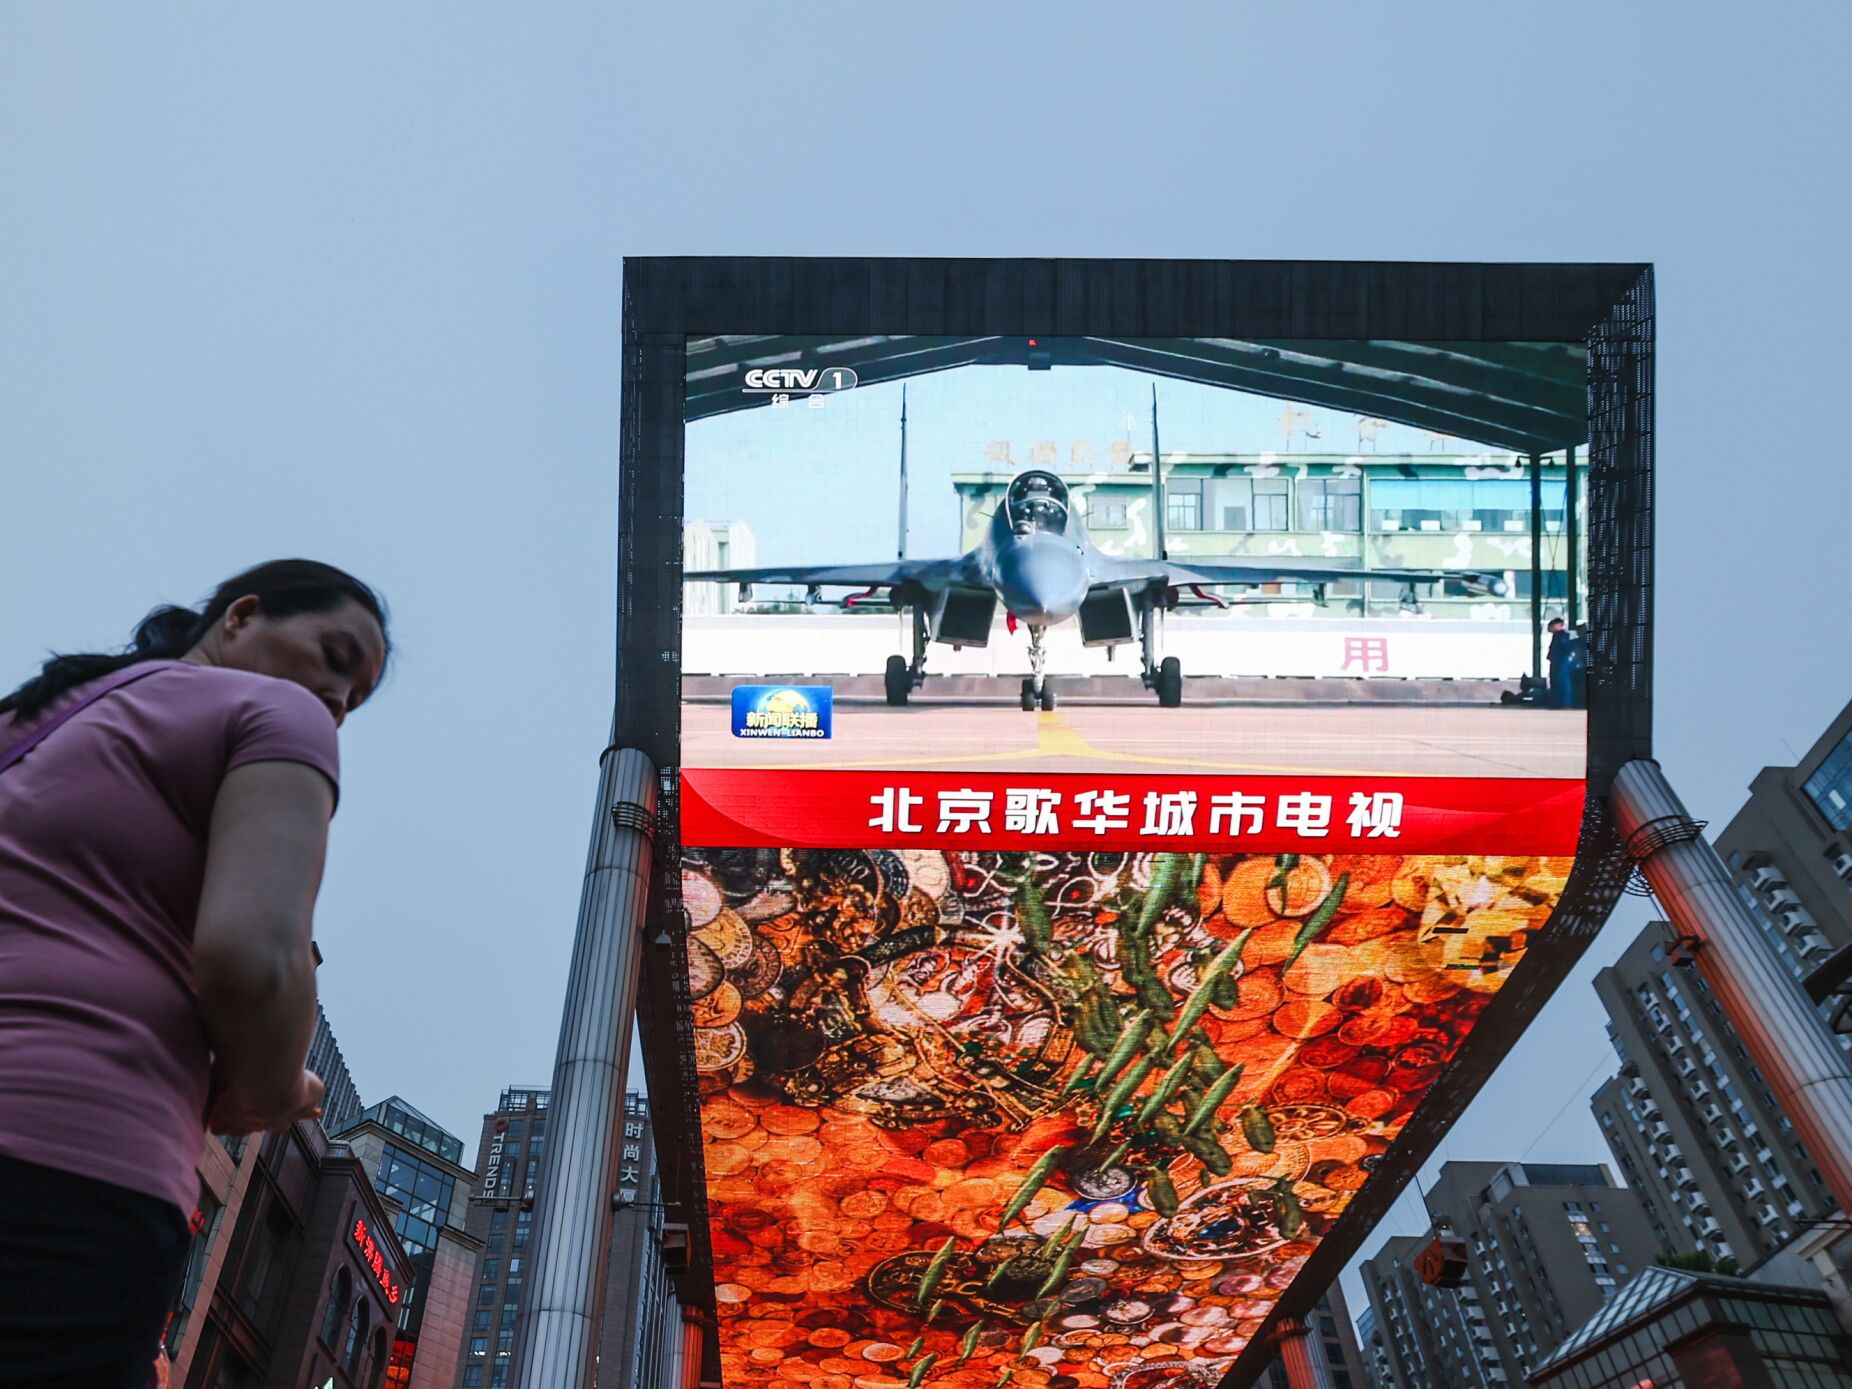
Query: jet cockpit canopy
[(1037, 501)]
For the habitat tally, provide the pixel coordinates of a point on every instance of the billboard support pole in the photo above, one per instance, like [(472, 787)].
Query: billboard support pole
[(557, 1332), (1810, 1076), (1536, 566), (1303, 1355), (902, 552), (1573, 614), (1157, 486)]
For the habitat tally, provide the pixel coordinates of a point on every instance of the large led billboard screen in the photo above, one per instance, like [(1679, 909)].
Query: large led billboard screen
[(1108, 801)]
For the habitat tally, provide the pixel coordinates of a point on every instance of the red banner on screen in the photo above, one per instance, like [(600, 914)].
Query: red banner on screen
[(728, 808)]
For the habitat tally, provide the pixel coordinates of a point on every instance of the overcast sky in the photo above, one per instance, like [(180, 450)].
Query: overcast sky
[(344, 281)]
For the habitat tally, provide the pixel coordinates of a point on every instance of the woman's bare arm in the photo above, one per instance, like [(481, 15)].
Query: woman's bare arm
[(252, 955)]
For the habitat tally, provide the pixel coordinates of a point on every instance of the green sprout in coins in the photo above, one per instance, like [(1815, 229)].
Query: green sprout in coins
[(1031, 1185), (968, 1346), (935, 1272), (1287, 1210), (1316, 923), (1257, 1129), (919, 1371)]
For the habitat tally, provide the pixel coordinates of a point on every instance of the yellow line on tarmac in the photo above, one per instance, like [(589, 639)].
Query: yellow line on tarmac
[(1055, 737)]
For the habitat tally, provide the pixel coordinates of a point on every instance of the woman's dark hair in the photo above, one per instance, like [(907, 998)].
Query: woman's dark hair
[(284, 588)]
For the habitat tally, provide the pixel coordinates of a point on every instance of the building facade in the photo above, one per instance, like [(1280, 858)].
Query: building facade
[(706, 545), (416, 1166), (500, 1214), (1377, 1372), (1690, 1120), (1374, 511), (1421, 1335), (641, 1314), (1790, 847), (1673, 1329), (296, 1279), (641, 1339), (341, 1105), (1547, 1245)]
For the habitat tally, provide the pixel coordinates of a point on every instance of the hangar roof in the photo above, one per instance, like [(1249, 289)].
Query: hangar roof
[(1522, 396)]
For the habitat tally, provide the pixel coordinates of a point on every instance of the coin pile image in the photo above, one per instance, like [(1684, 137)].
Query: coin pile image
[(1060, 1120)]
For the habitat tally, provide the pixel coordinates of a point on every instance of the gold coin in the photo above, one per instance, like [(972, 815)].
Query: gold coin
[(717, 1048), (719, 1008), (723, 1159), (728, 937), (721, 1118), (700, 899)]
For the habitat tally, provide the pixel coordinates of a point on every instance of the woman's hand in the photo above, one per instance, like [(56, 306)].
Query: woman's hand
[(232, 1115)]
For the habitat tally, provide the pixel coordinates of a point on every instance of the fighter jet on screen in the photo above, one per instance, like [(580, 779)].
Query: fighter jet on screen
[(1038, 562)]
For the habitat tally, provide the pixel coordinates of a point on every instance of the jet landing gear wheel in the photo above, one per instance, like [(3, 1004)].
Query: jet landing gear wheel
[(899, 680), (1028, 694), (1048, 697), (1170, 682)]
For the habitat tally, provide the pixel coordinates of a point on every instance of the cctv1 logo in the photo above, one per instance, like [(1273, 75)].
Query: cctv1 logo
[(800, 380)]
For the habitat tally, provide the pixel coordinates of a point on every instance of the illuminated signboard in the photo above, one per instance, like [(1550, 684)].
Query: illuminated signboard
[(1179, 803), (375, 1259)]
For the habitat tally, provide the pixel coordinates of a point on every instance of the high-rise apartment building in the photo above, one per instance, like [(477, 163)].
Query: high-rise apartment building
[(1547, 1245), (416, 1166), (501, 1216), (1375, 1354), (640, 1307), (1690, 1120), (1421, 1335), (640, 1326), (1790, 847), (341, 1105)]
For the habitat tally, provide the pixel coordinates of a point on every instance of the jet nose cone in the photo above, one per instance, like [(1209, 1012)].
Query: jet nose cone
[(1042, 579)]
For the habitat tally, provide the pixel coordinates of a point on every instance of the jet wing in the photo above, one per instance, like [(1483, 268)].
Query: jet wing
[(1179, 574), (882, 574)]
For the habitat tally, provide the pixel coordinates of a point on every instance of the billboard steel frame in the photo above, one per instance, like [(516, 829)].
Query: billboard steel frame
[(1608, 308)]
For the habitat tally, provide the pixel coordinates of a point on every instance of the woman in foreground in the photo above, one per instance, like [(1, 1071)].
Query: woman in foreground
[(163, 821)]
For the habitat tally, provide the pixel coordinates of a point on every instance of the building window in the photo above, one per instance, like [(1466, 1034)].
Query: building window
[(356, 1338), (377, 1358), (1183, 504), (514, 1275), (1460, 504), (210, 1212), (337, 1307), (491, 1270), (485, 1295), (1830, 787), (481, 1323), (472, 1377), (1331, 504), (1106, 516), (1243, 504)]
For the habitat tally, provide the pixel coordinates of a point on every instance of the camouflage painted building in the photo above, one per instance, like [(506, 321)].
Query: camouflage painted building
[(1373, 511)]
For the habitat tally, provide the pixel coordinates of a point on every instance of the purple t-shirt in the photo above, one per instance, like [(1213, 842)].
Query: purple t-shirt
[(103, 1054)]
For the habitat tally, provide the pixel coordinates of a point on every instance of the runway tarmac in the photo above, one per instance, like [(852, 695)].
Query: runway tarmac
[(1334, 740)]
